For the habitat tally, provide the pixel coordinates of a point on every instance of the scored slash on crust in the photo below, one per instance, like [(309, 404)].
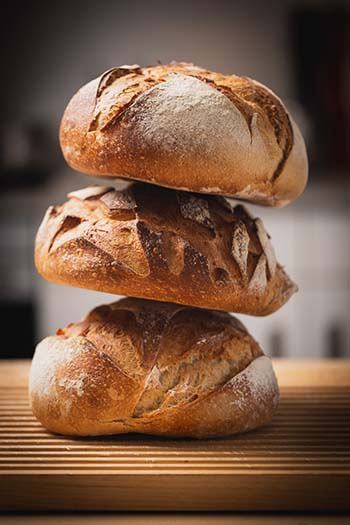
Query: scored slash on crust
[(258, 281), (266, 246), (119, 200), (89, 192), (195, 209), (240, 247)]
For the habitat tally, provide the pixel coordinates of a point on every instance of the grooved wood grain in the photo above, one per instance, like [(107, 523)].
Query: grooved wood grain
[(301, 461)]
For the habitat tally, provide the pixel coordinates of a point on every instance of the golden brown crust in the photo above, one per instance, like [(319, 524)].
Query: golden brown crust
[(161, 244), (155, 368), (185, 127)]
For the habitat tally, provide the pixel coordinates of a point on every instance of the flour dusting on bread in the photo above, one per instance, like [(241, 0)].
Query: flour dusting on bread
[(257, 380)]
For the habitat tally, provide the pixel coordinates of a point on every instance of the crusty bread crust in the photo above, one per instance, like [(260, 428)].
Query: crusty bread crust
[(153, 368), (162, 244), (185, 127)]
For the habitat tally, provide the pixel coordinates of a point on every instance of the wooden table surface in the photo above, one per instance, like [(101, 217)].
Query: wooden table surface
[(300, 462)]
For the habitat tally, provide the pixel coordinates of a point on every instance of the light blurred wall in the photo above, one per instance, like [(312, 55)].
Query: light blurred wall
[(63, 45)]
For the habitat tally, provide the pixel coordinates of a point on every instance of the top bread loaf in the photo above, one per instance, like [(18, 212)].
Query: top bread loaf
[(187, 128)]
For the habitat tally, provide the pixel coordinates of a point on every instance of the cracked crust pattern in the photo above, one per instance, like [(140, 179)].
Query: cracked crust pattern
[(157, 368), (186, 127), (165, 245)]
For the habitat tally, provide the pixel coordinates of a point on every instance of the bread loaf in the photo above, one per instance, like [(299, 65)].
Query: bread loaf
[(188, 128), (162, 244), (154, 368)]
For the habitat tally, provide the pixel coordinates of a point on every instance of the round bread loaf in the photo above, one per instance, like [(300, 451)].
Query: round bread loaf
[(188, 128), (161, 244), (154, 368)]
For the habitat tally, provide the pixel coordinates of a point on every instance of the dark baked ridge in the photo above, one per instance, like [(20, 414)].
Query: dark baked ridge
[(164, 245)]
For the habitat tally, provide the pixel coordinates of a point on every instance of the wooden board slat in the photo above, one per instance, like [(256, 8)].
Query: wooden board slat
[(301, 461)]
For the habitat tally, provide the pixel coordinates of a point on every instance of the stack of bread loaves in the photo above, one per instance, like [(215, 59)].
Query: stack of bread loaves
[(172, 361)]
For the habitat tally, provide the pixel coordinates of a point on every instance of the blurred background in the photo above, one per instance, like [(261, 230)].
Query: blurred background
[(300, 49)]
